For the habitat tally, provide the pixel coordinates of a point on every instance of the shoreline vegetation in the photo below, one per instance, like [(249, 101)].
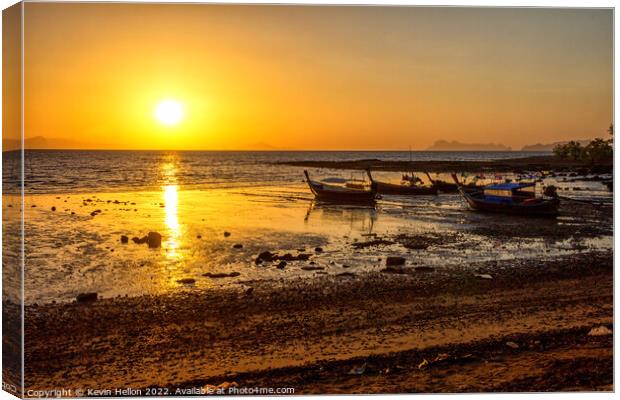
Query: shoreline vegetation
[(534, 163)]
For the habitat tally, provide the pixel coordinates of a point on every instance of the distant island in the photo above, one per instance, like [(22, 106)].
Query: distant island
[(444, 145), (40, 142), (550, 146)]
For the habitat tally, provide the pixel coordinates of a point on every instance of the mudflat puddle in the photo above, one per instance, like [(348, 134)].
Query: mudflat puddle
[(76, 247)]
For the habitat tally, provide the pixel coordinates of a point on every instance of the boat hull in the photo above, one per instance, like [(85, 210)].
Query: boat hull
[(544, 208), (341, 195), (390, 188), (446, 187)]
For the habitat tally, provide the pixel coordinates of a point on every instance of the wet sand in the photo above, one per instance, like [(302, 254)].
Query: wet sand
[(526, 329)]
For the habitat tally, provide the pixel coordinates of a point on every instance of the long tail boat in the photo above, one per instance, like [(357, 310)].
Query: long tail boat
[(509, 198), (409, 189), (443, 186), (341, 194)]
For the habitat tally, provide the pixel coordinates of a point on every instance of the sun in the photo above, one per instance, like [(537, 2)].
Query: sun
[(169, 112)]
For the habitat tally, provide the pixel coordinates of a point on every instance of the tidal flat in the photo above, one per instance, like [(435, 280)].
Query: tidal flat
[(217, 270), (501, 303)]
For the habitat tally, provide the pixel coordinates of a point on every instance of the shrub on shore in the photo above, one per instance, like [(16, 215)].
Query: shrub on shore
[(598, 150)]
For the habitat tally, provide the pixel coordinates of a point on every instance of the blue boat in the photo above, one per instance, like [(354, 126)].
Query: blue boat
[(509, 198)]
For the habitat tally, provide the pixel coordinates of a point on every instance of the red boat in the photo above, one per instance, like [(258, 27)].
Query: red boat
[(341, 194)]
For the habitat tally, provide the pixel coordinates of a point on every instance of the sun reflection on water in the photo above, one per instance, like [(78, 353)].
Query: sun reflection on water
[(171, 205), (171, 201)]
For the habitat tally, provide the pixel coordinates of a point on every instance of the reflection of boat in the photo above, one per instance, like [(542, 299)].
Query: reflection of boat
[(509, 198), (341, 194), (409, 189), (359, 217), (443, 186)]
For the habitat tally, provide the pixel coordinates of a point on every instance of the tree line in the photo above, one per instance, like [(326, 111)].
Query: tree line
[(596, 151)]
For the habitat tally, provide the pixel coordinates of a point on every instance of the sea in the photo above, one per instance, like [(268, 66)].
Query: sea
[(60, 171)]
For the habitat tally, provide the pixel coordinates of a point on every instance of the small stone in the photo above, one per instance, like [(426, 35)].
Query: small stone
[(138, 240), (391, 261), (86, 297), (198, 237), (600, 331), (238, 246), (226, 234), (312, 268), (483, 276), (512, 345), (281, 265), (186, 281), (53, 208), (154, 240), (424, 269), (124, 239), (221, 274), (266, 256)]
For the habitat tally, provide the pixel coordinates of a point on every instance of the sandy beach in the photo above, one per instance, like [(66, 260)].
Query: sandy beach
[(524, 330)]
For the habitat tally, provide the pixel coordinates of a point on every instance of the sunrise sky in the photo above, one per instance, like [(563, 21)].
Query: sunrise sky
[(120, 76)]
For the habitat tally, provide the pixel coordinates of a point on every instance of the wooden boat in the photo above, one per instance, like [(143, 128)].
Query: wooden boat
[(409, 189), (341, 194), (443, 186), (509, 198)]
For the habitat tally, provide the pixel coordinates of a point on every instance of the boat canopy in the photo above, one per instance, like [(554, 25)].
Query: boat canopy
[(504, 192), (510, 186)]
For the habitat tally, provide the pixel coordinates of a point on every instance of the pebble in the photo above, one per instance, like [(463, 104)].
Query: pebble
[(86, 297), (154, 240), (312, 268), (512, 345), (600, 331), (390, 261), (221, 274)]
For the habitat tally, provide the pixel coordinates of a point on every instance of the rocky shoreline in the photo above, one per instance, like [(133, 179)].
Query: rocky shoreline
[(384, 325), (535, 163)]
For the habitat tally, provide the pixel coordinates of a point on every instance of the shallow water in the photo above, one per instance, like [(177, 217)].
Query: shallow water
[(70, 251), (54, 171)]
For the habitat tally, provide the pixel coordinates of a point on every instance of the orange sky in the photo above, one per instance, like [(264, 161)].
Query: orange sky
[(293, 77)]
